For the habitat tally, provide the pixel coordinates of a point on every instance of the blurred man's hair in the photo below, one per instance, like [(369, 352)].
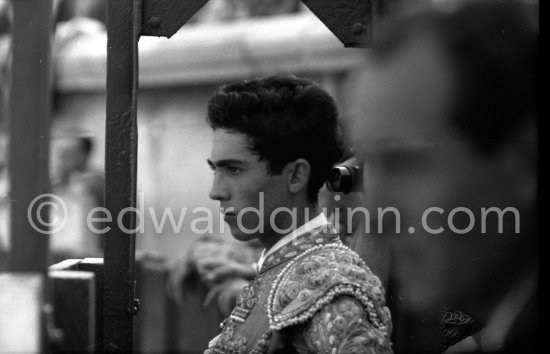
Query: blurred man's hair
[(493, 47), (87, 144), (286, 118)]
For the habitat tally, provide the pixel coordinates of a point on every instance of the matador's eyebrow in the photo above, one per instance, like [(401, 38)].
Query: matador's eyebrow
[(224, 163)]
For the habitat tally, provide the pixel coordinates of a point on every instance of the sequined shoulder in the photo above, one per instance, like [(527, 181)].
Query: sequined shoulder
[(315, 278)]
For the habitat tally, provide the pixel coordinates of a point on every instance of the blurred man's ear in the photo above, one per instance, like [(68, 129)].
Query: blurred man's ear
[(298, 173)]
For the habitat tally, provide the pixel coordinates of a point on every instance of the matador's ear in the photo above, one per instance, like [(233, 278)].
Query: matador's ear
[(298, 172)]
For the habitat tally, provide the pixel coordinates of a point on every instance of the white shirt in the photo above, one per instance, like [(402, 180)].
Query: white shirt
[(318, 221)]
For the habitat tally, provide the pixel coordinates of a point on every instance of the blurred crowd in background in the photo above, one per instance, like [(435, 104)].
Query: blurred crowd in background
[(73, 177)]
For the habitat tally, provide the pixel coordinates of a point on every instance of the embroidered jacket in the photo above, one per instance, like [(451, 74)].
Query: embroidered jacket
[(313, 295)]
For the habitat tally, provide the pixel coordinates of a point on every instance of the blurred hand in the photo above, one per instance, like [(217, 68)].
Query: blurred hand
[(226, 294), (214, 270)]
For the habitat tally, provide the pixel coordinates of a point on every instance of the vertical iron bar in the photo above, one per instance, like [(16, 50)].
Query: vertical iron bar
[(29, 125), (29, 129), (123, 29)]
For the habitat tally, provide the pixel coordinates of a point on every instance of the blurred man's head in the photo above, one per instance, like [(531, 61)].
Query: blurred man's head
[(444, 118), (70, 154), (277, 135), (446, 109)]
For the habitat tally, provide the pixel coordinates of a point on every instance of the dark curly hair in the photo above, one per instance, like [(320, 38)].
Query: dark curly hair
[(285, 118)]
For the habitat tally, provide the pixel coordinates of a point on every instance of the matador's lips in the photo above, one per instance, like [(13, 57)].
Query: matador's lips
[(228, 211)]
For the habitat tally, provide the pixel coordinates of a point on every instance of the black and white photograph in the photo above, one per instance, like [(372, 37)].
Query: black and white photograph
[(270, 176)]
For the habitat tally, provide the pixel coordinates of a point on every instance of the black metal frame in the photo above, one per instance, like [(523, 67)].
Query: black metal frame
[(123, 31)]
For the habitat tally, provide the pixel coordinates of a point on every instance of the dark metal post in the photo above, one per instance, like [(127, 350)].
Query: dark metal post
[(123, 28), (29, 124)]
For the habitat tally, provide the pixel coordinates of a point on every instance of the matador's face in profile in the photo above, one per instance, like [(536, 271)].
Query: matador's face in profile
[(247, 193)]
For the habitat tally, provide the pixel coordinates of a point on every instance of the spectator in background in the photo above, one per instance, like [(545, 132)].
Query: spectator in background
[(71, 165), (445, 117), (82, 188)]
